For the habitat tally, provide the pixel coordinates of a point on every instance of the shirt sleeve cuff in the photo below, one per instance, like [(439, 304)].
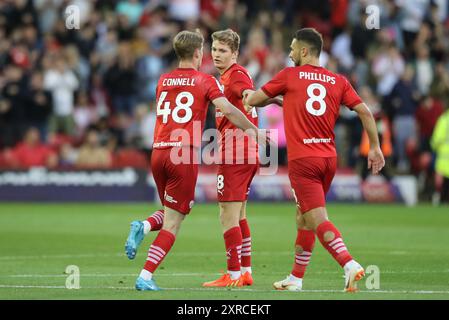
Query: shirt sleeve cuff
[(267, 92)]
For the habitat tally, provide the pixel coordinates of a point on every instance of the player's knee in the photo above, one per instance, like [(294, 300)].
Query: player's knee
[(226, 218), (315, 217), (173, 225)]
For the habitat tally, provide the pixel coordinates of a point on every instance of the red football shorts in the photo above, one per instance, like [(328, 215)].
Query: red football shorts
[(234, 180), (311, 179), (175, 182)]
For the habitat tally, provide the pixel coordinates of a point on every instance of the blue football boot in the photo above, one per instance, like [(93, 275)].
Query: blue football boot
[(134, 240), (146, 285)]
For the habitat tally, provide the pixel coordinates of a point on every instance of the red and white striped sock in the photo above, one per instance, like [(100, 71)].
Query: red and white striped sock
[(306, 241), (333, 242), (159, 249), (154, 222), (233, 243), (246, 246)]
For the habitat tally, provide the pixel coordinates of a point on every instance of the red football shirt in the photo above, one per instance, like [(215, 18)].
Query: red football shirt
[(235, 80), (31, 156), (183, 97), (312, 99)]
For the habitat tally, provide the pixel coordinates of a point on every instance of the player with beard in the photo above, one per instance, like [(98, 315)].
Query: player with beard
[(312, 96)]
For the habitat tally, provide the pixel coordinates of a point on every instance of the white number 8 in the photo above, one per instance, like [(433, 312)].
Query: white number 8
[(316, 98), (183, 106), (220, 182)]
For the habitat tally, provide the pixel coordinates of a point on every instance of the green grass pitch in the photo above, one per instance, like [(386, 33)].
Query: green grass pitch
[(38, 242)]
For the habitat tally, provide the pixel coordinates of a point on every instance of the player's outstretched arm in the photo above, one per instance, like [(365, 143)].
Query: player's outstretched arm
[(376, 159), (259, 99), (264, 100), (235, 116)]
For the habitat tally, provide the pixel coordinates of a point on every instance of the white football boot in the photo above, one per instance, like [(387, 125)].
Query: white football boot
[(353, 272), (288, 284)]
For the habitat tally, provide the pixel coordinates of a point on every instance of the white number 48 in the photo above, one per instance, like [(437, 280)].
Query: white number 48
[(166, 111)]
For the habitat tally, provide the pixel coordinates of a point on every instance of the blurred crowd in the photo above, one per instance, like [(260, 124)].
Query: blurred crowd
[(84, 98)]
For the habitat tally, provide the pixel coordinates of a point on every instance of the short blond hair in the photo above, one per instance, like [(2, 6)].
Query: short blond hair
[(229, 37), (185, 43)]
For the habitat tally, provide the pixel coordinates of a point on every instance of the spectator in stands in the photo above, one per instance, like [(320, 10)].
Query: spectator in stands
[(62, 83), (388, 66), (184, 10), (91, 154), (125, 30), (424, 67), (139, 134), (107, 46), (120, 81), (39, 104), (403, 100), (361, 39), (68, 156), (427, 114), (12, 108), (32, 153), (440, 144), (84, 114), (157, 29), (411, 16), (131, 9), (108, 135), (149, 68), (99, 96), (255, 54), (341, 50), (79, 65), (439, 88)]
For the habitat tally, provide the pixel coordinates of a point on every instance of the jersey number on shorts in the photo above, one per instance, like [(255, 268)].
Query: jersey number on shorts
[(220, 182), (316, 98), (181, 104)]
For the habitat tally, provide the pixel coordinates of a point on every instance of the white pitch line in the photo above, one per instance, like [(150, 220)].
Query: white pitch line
[(105, 275), (316, 291), (192, 274), (28, 287), (183, 253), (62, 256), (235, 290)]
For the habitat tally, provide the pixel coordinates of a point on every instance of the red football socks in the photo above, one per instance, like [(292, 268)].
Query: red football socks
[(159, 249), (333, 242), (233, 243), (306, 241), (246, 243), (156, 220)]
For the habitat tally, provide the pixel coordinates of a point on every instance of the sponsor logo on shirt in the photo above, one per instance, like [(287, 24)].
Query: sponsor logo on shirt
[(164, 144), (317, 140)]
